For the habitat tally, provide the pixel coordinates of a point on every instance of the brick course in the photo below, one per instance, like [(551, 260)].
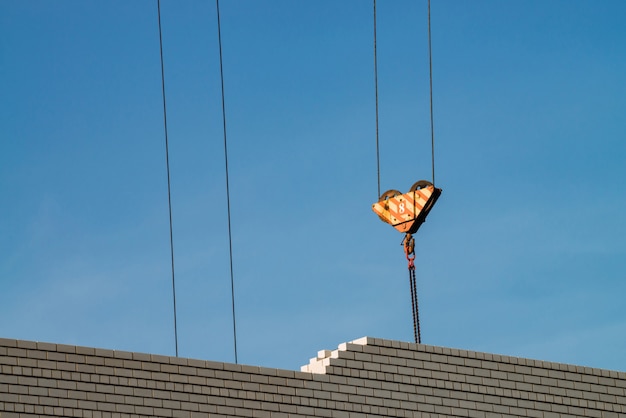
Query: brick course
[(368, 377)]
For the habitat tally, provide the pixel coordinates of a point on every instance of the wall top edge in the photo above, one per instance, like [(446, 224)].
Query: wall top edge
[(390, 348)]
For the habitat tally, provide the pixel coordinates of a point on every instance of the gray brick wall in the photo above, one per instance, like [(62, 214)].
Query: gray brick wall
[(368, 377)]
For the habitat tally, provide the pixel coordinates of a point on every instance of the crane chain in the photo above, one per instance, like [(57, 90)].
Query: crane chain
[(409, 251), (416, 316)]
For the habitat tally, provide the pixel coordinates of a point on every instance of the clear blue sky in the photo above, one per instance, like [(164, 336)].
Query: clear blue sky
[(524, 254)]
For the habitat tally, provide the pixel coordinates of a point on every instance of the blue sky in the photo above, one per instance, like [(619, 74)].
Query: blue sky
[(524, 254)]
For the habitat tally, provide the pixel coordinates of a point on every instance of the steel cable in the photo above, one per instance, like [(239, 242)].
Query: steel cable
[(376, 92), (432, 124), (167, 164), (230, 239)]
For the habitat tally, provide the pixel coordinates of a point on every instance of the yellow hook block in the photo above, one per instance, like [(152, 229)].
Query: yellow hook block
[(407, 212)]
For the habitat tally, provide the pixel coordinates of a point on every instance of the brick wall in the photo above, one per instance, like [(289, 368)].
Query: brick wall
[(368, 377)]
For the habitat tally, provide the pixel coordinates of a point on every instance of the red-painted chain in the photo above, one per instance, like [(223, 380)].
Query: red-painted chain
[(409, 250)]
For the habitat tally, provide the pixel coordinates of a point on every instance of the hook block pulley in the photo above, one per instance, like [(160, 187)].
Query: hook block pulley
[(407, 212)]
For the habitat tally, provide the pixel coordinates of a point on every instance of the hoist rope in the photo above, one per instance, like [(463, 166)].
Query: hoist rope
[(413, 281), (167, 164), (230, 240), (376, 90), (432, 125)]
